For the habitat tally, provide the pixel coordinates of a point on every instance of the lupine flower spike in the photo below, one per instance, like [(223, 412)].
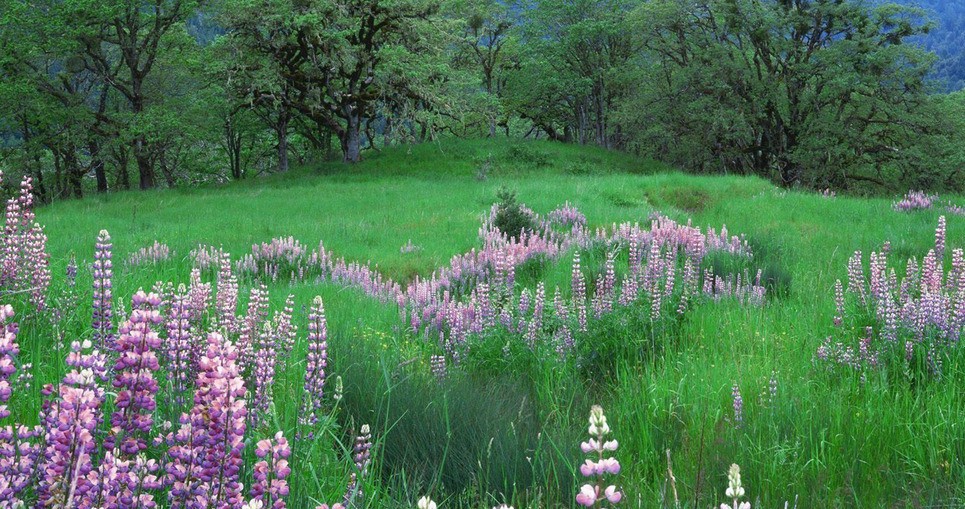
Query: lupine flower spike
[(734, 489), (271, 471), (594, 495), (315, 363)]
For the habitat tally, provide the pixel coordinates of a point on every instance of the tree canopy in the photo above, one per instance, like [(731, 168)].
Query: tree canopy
[(824, 93)]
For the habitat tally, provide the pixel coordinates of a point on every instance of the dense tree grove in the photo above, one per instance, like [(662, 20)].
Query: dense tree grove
[(99, 96)]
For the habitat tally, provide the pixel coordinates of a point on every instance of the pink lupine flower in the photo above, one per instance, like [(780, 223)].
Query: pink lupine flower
[(263, 374), (271, 471), (598, 466), (206, 458)]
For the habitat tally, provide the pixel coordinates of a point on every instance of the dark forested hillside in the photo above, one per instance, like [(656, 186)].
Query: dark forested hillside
[(947, 40)]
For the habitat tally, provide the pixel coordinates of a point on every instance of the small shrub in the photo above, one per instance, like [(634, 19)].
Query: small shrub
[(511, 218), (528, 155)]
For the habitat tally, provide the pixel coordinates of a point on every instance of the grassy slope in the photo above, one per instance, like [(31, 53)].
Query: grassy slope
[(826, 439)]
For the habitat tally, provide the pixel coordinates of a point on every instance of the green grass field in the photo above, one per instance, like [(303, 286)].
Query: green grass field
[(826, 441)]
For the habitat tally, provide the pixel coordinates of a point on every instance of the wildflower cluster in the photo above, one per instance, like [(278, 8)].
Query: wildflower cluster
[(914, 200), (150, 255), (919, 200), (103, 439), (24, 261), (916, 318)]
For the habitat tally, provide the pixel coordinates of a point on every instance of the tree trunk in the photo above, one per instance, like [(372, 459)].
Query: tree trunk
[(145, 169), (123, 178), (351, 139), (233, 143), (97, 163), (74, 173), (281, 129), (58, 175)]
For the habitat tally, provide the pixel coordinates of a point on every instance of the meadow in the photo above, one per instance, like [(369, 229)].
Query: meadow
[(475, 409)]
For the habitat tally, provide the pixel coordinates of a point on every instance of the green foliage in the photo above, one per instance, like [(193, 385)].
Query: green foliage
[(510, 217), (821, 94)]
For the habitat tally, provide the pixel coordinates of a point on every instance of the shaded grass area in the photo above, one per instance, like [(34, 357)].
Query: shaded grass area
[(825, 439)]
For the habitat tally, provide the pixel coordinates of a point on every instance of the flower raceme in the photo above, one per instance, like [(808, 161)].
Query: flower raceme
[(734, 490), (599, 465)]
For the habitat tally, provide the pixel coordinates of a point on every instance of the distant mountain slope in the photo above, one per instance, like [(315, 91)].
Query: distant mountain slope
[(947, 40)]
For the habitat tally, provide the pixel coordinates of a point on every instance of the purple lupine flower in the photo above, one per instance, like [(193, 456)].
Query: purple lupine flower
[(361, 454), (207, 457), (9, 350), (181, 354), (123, 483), (599, 466), (19, 450), (23, 255), (559, 306), (738, 406), (914, 200), (564, 340), (18, 461), (71, 417), (150, 255), (266, 359), (103, 272), (134, 377), (315, 363), (200, 296), (271, 471)]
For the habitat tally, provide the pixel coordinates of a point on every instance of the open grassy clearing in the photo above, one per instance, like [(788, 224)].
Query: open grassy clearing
[(827, 439)]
